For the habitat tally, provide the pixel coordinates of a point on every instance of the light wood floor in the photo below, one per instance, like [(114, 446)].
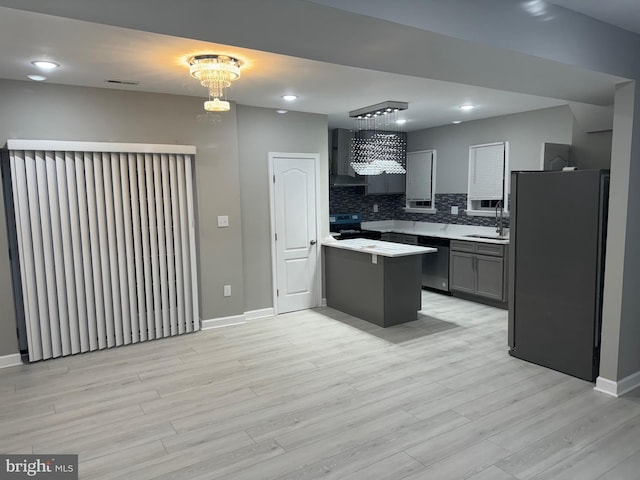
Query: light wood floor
[(319, 394)]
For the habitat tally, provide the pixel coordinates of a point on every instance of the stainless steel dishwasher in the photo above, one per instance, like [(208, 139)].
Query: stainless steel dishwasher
[(435, 266)]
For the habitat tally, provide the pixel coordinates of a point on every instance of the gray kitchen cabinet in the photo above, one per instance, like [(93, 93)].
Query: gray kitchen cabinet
[(391, 237), (409, 239), (489, 277), (478, 269), (385, 183), (462, 274), (396, 182), (375, 184)]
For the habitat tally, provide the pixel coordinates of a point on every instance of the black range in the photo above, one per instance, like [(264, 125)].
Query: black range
[(348, 225)]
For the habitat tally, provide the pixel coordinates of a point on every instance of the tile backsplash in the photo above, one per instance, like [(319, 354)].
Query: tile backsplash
[(391, 207)]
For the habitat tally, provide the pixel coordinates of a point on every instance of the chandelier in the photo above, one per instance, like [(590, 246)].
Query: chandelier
[(378, 145), (215, 73)]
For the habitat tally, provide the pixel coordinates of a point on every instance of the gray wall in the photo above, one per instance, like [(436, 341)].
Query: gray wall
[(590, 150), (525, 133), (620, 319), (629, 348), (43, 111), (260, 131)]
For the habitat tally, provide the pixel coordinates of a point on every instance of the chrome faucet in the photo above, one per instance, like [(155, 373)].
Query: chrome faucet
[(499, 223)]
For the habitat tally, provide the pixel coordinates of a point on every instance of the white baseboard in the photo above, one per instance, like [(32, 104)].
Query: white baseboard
[(10, 360), (249, 316), (619, 388), (258, 314), (604, 385), (222, 322)]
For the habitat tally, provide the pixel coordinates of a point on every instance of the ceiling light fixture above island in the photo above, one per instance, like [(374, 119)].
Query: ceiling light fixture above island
[(378, 144)]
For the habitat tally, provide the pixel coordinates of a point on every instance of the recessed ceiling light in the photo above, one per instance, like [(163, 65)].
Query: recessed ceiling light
[(401, 121), (535, 7), (45, 64), (281, 111), (456, 122), (37, 78), (289, 98), (467, 107)]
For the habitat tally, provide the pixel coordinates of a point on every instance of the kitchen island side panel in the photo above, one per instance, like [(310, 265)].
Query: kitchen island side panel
[(385, 293), (354, 284), (402, 289)]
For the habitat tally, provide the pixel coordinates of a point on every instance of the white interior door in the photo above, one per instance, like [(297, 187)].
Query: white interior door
[(293, 218)]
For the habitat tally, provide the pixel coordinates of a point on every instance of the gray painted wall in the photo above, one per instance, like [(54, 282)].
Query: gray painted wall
[(525, 133), (43, 111), (620, 326), (590, 150), (629, 348), (260, 131)]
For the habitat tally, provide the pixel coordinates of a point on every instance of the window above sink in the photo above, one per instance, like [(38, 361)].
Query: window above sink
[(488, 182)]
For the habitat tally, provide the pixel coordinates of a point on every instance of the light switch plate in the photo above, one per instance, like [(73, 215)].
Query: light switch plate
[(375, 208), (223, 220), (227, 290)]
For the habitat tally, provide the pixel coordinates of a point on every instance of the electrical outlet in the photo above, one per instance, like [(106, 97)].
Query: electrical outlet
[(227, 290), (375, 208), (454, 210), (223, 221)]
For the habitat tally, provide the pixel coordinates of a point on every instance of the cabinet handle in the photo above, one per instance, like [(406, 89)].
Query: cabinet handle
[(312, 242)]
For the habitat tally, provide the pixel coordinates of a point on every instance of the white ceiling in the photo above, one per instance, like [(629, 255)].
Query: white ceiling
[(91, 53)]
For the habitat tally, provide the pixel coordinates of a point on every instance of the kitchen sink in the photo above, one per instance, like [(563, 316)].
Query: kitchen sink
[(489, 237)]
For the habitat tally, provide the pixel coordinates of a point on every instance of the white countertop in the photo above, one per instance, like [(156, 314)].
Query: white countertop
[(378, 247), (442, 230)]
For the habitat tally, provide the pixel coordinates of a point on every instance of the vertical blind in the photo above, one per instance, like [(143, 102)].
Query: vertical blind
[(106, 244)]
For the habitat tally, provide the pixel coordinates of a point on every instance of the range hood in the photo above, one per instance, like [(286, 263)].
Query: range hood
[(341, 173)]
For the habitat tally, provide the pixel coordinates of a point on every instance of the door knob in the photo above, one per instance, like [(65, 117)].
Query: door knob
[(312, 242)]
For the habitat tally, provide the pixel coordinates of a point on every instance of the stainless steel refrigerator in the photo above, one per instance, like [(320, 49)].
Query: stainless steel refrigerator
[(556, 266)]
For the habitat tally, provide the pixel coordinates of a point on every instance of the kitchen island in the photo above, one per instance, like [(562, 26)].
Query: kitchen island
[(374, 280)]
